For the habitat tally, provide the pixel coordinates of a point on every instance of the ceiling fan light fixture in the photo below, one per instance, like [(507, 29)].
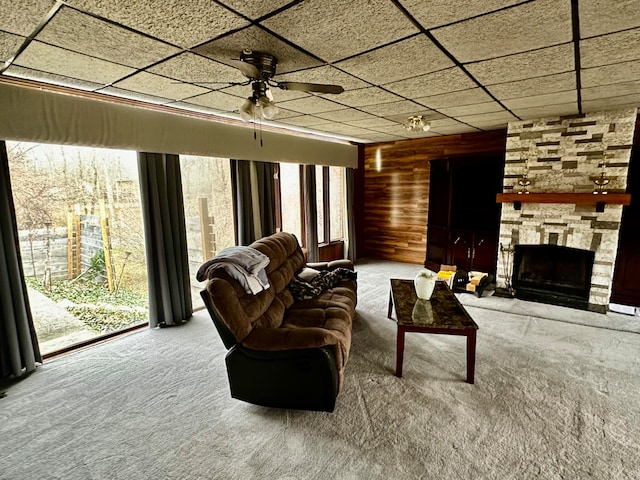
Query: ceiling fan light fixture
[(416, 123), (248, 109), (269, 111)]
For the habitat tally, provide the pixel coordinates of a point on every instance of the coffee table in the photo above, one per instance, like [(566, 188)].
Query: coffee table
[(443, 314)]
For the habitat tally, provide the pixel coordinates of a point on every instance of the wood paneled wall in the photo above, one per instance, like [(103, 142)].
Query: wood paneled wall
[(396, 192)]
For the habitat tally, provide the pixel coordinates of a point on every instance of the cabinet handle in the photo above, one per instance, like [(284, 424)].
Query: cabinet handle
[(473, 254), (469, 252)]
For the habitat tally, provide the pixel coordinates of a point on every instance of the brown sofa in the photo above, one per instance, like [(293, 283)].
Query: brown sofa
[(283, 353)]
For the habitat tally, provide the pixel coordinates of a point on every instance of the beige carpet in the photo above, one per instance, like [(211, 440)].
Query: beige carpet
[(552, 400)]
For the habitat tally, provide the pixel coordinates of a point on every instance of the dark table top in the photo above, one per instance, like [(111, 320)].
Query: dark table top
[(442, 311)]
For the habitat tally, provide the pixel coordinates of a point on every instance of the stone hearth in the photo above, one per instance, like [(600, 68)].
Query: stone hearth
[(566, 155)]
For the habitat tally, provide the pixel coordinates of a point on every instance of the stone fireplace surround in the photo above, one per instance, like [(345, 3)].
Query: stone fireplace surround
[(565, 155)]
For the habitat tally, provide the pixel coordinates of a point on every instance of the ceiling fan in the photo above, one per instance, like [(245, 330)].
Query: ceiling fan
[(260, 68)]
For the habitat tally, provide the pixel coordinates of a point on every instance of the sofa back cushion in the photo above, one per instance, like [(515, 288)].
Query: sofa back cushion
[(242, 312)]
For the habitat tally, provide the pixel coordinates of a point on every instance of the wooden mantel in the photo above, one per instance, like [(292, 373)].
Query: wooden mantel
[(599, 200)]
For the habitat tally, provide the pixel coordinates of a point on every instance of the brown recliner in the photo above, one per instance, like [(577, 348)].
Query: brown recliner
[(283, 353)]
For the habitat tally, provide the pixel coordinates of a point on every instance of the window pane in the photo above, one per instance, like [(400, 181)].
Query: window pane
[(81, 240), (336, 202), (208, 210), (290, 194), (320, 203)]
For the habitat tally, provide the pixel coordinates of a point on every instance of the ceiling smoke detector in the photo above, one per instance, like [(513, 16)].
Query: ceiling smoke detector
[(416, 123)]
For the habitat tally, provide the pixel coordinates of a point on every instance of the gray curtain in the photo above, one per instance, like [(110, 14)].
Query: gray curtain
[(165, 239), (253, 200), (19, 351), (351, 220), (311, 215)]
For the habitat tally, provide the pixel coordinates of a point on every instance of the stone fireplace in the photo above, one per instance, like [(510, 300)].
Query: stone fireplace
[(566, 155)]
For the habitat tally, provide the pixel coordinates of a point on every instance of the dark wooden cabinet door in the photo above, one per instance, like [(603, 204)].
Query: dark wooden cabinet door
[(464, 218), (439, 215)]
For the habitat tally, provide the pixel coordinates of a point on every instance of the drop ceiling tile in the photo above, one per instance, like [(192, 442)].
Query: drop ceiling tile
[(342, 129), (346, 115), (283, 113), (22, 18), (486, 107), (455, 99), (613, 48), (520, 66), (195, 108), (598, 17), (373, 123), (606, 75), (541, 111), (482, 118), (333, 32), (180, 22), (444, 122), (393, 108), (612, 103), (396, 129), (325, 75), (363, 97), (85, 34), (489, 126), (217, 100), (158, 86), (615, 90), (311, 105), (541, 100), (47, 58), (420, 134), (192, 68), (381, 137), (9, 44), (521, 28), (460, 128), (534, 86), (444, 81), (121, 92), (52, 78), (442, 12), (255, 8), (304, 121), (254, 38), (408, 58)]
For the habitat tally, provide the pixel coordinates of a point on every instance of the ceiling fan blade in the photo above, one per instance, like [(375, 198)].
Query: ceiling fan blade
[(310, 87), (248, 70)]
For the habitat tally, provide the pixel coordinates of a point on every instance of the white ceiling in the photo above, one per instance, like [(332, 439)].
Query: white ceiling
[(465, 65)]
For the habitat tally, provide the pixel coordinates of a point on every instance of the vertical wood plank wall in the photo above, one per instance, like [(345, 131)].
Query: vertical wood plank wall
[(396, 197)]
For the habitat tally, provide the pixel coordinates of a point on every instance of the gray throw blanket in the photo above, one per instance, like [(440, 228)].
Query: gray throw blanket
[(245, 264)]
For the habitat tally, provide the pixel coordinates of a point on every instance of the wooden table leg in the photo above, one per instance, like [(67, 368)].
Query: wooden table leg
[(399, 351), (390, 305), (471, 355)]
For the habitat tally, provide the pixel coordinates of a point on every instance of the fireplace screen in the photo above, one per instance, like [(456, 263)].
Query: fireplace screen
[(553, 274)]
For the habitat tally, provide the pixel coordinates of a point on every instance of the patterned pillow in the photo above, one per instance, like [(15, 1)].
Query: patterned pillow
[(301, 290)]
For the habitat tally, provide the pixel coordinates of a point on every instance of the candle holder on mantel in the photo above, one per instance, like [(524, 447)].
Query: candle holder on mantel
[(601, 181), (524, 181)]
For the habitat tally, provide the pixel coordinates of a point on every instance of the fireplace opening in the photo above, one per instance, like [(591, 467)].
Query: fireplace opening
[(553, 274)]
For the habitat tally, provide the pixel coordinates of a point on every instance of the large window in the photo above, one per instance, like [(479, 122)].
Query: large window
[(330, 202), (81, 238), (291, 200), (208, 209)]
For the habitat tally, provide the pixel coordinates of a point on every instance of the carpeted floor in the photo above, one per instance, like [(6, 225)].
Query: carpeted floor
[(552, 400)]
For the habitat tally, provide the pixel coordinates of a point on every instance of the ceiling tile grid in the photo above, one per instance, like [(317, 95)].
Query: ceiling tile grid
[(465, 66)]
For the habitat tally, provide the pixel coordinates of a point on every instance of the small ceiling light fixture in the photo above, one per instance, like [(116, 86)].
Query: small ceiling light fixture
[(416, 123), (261, 98)]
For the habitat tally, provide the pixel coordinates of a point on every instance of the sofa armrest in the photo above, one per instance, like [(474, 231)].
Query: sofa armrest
[(342, 263), (277, 339)]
